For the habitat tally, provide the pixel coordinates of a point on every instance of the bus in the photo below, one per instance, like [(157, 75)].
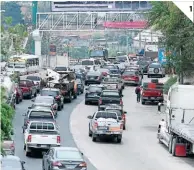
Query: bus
[(99, 53), (24, 64)]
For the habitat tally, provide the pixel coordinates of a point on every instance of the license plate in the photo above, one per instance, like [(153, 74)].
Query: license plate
[(44, 146), (152, 97), (91, 78), (70, 166), (103, 128)]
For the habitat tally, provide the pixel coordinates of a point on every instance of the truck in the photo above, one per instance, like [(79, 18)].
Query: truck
[(176, 129), (152, 92), (41, 135), (65, 81), (105, 124)]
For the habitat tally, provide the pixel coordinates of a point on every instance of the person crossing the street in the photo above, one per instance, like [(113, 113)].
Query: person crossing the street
[(138, 93)]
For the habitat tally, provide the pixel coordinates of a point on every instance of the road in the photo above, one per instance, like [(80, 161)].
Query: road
[(34, 162), (139, 149)]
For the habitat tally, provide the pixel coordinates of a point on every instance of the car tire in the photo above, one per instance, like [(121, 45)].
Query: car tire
[(174, 142), (28, 154), (17, 100), (89, 133), (119, 140), (30, 96), (94, 138), (143, 102), (24, 147), (70, 97), (43, 166), (124, 127), (86, 103), (35, 94), (170, 145)]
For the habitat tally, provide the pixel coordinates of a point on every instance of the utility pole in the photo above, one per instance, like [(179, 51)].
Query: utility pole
[(34, 12)]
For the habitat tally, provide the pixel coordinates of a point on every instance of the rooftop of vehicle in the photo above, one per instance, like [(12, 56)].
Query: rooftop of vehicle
[(50, 89)]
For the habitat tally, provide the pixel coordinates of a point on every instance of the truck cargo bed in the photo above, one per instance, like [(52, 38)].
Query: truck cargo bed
[(183, 130)]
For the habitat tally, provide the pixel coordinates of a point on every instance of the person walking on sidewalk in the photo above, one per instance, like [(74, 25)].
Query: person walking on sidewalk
[(138, 93)]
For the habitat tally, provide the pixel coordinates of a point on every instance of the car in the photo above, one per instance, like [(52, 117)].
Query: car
[(121, 113), (131, 77), (8, 146), (115, 71), (37, 81), (56, 94), (105, 124), (11, 162), (109, 97), (143, 65), (63, 158), (41, 135), (93, 93), (80, 86), (37, 114), (28, 88), (104, 71), (80, 75), (93, 77), (110, 66), (44, 106), (19, 94), (156, 70)]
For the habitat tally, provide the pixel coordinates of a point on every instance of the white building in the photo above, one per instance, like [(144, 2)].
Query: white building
[(147, 39)]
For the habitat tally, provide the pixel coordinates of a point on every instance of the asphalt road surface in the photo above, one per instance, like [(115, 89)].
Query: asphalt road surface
[(139, 149), (35, 162)]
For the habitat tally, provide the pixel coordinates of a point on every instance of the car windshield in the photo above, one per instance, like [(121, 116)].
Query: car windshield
[(35, 78), (95, 89), (61, 68), (42, 114), (68, 155), (88, 63), (41, 107), (49, 93), (111, 80), (41, 125), (8, 163), (154, 65), (106, 115), (110, 93), (119, 112), (128, 73)]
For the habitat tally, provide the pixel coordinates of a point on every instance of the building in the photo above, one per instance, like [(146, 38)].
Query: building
[(58, 6)]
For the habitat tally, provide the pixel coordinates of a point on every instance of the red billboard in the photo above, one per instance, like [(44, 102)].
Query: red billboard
[(126, 24)]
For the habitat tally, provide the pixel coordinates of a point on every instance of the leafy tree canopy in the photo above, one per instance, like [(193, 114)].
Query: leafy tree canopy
[(12, 9)]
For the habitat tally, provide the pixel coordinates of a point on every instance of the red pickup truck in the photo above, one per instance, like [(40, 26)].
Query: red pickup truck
[(152, 92)]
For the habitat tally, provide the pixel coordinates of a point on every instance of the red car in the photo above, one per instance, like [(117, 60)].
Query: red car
[(28, 88), (131, 77), (19, 94)]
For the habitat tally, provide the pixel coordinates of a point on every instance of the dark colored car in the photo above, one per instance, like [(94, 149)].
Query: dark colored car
[(63, 158), (55, 93), (80, 86), (37, 81), (93, 77), (109, 97), (93, 93), (19, 94), (28, 88), (11, 163), (143, 65)]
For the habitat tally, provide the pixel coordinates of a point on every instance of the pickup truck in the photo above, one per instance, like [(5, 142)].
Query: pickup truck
[(152, 92), (37, 114), (109, 97), (41, 135), (113, 83), (105, 124)]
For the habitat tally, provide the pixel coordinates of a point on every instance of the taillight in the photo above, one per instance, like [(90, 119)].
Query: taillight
[(100, 101), (95, 124), (12, 146), (29, 138), (56, 163), (121, 126), (58, 139), (121, 102), (83, 164)]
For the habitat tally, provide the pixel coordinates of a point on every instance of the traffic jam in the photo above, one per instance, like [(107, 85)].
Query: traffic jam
[(102, 85)]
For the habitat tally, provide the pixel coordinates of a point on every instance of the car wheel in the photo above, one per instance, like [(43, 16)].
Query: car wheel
[(86, 103), (143, 102), (119, 140), (24, 147), (170, 145), (27, 153), (30, 96), (70, 97), (174, 142), (89, 133), (93, 138), (35, 94), (17, 100)]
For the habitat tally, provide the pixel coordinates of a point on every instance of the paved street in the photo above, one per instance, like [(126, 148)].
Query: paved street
[(139, 149), (34, 162)]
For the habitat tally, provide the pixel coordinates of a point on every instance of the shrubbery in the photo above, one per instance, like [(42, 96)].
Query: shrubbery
[(169, 83)]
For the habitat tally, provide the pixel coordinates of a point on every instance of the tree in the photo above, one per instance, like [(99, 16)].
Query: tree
[(12, 9), (178, 33)]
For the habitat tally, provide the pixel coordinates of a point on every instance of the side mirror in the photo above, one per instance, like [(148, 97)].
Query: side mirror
[(30, 107), (122, 95), (161, 107), (82, 153), (125, 112), (23, 162), (89, 117), (33, 100)]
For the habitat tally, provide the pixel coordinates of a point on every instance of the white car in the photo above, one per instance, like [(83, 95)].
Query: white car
[(156, 70)]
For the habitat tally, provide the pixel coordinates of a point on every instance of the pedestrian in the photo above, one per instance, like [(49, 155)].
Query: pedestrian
[(138, 93)]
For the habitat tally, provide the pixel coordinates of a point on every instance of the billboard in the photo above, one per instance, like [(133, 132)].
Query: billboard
[(162, 56)]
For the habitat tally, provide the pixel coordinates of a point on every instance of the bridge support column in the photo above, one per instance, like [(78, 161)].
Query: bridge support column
[(37, 38)]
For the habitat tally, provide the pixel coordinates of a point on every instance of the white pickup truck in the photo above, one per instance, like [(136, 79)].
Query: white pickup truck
[(105, 124), (41, 135)]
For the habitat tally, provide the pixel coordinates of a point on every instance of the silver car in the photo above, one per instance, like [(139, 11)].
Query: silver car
[(156, 70)]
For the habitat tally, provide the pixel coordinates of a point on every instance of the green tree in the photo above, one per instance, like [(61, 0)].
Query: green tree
[(12, 9), (178, 33)]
